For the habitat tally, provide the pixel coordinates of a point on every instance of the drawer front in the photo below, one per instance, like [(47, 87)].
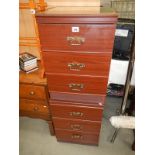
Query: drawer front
[(30, 101), (32, 114), (86, 37), (77, 84), (32, 91), (33, 106), (64, 110), (77, 125), (77, 63), (92, 99), (77, 137)]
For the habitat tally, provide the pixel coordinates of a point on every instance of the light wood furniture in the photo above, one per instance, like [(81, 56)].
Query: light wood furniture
[(28, 31), (73, 3), (33, 101), (77, 45)]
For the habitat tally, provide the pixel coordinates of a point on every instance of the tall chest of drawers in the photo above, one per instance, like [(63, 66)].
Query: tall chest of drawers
[(77, 45)]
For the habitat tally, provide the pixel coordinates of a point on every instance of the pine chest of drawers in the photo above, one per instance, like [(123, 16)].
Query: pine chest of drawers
[(33, 97), (77, 45)]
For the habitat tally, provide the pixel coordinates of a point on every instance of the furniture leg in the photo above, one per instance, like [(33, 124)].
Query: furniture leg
[(114, 135)]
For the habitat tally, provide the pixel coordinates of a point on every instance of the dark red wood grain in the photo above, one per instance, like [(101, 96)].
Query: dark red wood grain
[(77, 113), (63, 110), (85, 99), (77, 125), (96, 64), (91, 85), (76, 19), (86, 138), (97, 37)]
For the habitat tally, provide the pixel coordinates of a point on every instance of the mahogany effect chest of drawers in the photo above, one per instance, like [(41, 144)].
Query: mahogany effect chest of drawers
[(77, 45)]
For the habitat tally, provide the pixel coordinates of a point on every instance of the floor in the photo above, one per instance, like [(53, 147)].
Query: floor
[(35, 139)]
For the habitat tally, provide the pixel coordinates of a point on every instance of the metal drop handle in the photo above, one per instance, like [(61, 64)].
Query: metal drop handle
[(75, 40), (76, 127), (76, 114), (76, 86), (75, 66), (76, 136)]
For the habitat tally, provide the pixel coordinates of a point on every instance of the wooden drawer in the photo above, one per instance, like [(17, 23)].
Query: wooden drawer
[(77, 137), (32, 91), (31, 101), (86, 99), (66, 110), (77, 125), (33, 106), (96, 64), (77, 84), (32, 114), (91, 37)]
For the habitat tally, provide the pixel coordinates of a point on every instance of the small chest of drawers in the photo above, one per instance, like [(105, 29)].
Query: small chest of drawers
[(33, 97), (33, 101), (77, 48)]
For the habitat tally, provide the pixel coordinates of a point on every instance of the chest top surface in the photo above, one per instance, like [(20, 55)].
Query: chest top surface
[(81, 15), (77, 11), (35, 77)]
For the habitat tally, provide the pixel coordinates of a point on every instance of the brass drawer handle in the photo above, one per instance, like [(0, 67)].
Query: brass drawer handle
[(76, 136), (76, 86), (76, 114), (76, 66), (35, 108), (76, 127), (32, 93), (76, 40)]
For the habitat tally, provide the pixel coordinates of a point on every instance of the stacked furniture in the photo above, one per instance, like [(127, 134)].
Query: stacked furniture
[(33, 93), (76, 44)]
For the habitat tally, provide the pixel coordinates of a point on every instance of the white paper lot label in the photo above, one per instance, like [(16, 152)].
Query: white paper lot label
[(75, 29), (121, 33)]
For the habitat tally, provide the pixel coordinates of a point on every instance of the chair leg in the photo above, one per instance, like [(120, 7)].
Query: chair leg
[(114, 135)]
